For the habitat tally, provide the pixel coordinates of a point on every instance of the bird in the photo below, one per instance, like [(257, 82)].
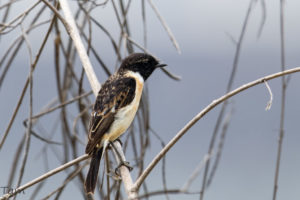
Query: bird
[(115, 107)]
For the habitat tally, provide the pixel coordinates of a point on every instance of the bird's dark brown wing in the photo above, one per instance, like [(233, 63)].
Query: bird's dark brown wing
[(115, 93)]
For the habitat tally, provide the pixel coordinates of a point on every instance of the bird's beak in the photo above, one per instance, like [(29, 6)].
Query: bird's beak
[(160, 65)]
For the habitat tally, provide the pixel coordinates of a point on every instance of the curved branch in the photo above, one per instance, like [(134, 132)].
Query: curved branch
[(212, 105)]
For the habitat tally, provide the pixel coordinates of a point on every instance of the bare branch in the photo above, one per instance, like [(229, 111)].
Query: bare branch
[(212, 105)]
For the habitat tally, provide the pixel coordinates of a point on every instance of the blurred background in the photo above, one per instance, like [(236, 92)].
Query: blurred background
[(213, 38)]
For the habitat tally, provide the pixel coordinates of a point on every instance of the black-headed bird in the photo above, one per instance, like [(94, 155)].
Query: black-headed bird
[(115, 108)]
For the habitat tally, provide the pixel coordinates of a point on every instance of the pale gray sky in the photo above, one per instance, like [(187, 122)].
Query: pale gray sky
[(202, 29)]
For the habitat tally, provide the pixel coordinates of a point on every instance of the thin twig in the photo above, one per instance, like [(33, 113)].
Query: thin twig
[(16, 160), (28, 131), (164, 179), (171, 75), (220, 148), (269, 104), (144, 23), (264, 17), (195, 173), (8, 5), (283, 99), (165, 25), (84, 111), (125, 25), (61, 105), (107, 175), (169, 191), (70, 177), (44, 139)]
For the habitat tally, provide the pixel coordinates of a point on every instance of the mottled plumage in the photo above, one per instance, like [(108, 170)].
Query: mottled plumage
[(115, 108), (115, 94)]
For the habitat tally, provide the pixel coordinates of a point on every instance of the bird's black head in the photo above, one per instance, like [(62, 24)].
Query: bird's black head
[(142, 63)]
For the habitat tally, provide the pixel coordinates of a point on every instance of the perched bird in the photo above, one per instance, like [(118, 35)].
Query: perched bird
[(115, 108)]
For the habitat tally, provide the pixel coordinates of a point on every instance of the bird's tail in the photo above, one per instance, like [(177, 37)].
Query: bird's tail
[(91, 178)]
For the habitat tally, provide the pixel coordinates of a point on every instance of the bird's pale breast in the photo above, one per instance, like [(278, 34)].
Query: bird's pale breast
[(125, 115)]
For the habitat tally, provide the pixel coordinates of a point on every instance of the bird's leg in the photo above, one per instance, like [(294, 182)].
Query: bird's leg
[(112, 144), (122, 162), (118, 139)]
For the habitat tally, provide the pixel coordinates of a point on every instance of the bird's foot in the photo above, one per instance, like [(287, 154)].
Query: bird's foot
[(123, 163), (118, 139)]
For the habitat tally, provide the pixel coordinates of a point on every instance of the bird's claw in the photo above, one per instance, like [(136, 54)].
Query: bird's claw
[(123, 163), (118, 139)]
